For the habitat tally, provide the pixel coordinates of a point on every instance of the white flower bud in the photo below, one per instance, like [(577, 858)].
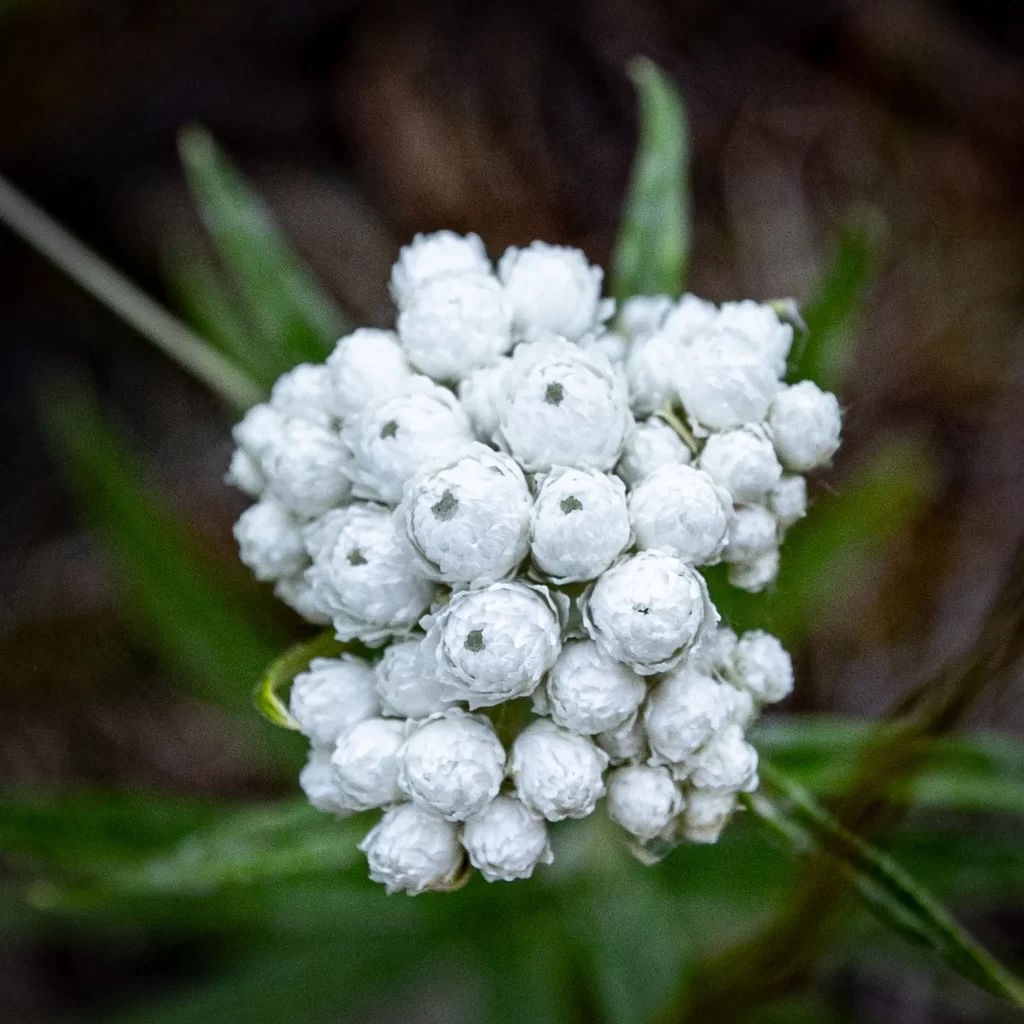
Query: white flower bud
[(611, 346), (308, 391), (626, 742), (258, 429), (724, 382), (652, 365), (760, 325), (506, 841), (726, 763), (366, 763), (493, 644), (742, 461), (369, 368), (244, 473), (788, 500), (306, 468), (331, 695), (456, 323), (553, 288), (317, 781), (579, 524), (565, 407), (643, 799), (714, 654), (406, 686), (706, 815), (269, 541), (364, 576), (557, 773), (390, 442), (297, 592), (744, 708), (758, 573), (752, 532), (762, 666), (804, 423), (642, 315), (434, 255), (412, 849), (689, 318), (648, 611), (681, 510), (590, 692), (453, 763), (482, 393), (468, 519), (652, 444), (683, 712)]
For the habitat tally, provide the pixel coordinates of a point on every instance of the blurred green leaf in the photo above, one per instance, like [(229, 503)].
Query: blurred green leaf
[(293, 319), (836, 308), (187, 612), (843, 533), (267, 695), (888, 890), (652, 251)]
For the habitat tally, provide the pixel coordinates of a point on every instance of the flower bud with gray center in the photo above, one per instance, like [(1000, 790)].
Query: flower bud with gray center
[(643, 799), (306, 468), (366, 763), (433, 255), (742, 461), (506, 841), (683, 712), (331, 695), (406, 685), (651, 445), (805, 423)]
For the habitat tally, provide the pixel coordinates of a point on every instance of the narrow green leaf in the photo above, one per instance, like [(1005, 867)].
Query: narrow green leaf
[(652, 251), (294, 320), (267, 695), (889, 891)]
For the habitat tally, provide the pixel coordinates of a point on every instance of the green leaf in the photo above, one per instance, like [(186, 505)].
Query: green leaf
[(267, 695), (836, 307), (293, 319), (887, 889), (652, 250)]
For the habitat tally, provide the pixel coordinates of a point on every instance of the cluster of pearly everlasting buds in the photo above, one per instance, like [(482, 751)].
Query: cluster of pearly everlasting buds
[(514, 501)]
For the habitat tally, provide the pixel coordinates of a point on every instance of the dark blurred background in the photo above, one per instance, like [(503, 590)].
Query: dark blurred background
[(362, 123)]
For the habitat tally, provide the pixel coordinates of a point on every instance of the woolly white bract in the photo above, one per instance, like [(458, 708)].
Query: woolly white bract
[(500, 497)]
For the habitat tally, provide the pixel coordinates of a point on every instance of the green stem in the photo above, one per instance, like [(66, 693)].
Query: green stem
[(134, 306)]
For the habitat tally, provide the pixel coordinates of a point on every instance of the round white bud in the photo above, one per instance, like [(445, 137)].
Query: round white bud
[(762, 666), (269, 541), (331, 695), (683, 712), (706, 815), (482, 393), (611, 346), (434, 255), (258, 429), (804, 423), (626, 742), (648, 611), (390, 442), (506, 841), (742, 461), (406, 687), (308, 391), (368, 367), (453, 763), (651, 445), (788, 500), (244, 473), (412, 849), (565, 407), (641, 315), (317, 781), (557, 773), (762, 328), (589, 692), (366, 763), (363, 576), (758, 573), (681, 510), (689, 318), (455, 323), (468, 519), (579, 524), (306, 468), (297, 592), (752, 532), (553, 288), (643, 799), (726, 762), (714, 655), (651, 368), (724, 382), (493, 644)]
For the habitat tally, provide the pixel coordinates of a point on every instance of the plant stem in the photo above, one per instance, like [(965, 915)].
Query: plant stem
[(134, 306)]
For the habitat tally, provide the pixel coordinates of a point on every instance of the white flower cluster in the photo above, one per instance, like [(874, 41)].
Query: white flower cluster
[(495, 494)]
